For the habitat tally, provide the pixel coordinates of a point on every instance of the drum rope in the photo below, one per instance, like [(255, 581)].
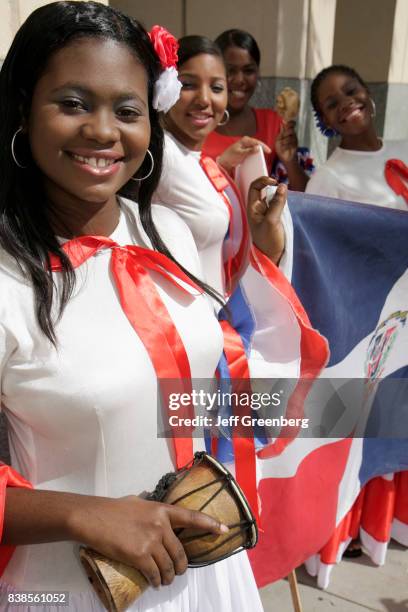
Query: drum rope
[(205, 486), (246, 524), (163, 488)]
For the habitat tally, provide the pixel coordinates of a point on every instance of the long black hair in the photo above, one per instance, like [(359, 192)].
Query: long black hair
[(241, 39), (323, 74), (25, 230)]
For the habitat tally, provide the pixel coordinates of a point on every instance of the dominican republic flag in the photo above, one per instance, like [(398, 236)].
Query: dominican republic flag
[(348, 265), (349, 270)]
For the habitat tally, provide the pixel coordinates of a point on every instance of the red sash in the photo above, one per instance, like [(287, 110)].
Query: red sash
[(8, 478), (244, 447), (235, 258), (149, 317), (396, 175)]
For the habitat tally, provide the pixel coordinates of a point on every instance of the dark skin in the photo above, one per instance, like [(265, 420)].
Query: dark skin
[(345, 105), (243, 73), (198, 111), (265, 218), (89, 129), (94, 118)]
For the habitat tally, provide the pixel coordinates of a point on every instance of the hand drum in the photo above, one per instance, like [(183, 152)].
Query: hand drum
[(204, 485)]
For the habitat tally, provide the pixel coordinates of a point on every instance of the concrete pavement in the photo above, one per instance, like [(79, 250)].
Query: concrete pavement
[(357, 585)]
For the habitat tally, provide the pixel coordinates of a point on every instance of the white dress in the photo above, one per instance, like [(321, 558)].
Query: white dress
[(207, 216), (185, 188), (83, 418), (182, 181), (358, 176)]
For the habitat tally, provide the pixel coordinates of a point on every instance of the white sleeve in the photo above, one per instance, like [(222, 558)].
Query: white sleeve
[(162, 193), (6, 349), (8, 320), (324, 183), (177, 237), (3, 353)]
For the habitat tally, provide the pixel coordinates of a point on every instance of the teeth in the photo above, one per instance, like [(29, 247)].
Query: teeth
[(93, 161)]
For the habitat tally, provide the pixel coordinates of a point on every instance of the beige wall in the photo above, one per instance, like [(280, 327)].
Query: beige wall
[(25, 7), (168, 13), (398, 72), (9, 24), (320, 35), (12, 14), (259, 17), (295, 36), (363, 36), (281, 27)]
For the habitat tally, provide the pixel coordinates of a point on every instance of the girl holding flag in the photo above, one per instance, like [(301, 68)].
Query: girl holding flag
[(366, 169)]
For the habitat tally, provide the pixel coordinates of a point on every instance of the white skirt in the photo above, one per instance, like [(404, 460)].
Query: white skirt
[(227, 586)]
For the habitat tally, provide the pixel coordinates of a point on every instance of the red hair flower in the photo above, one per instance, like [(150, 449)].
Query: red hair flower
[(165, 45), (167, 87)]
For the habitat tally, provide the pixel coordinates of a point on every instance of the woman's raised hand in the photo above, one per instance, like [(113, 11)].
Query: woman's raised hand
[(286, 143), (239, 151), (140, 533), (264, 218)]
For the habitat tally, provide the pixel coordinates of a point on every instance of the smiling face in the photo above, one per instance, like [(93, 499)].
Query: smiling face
[(345, 104), (202, 101), (242, 74), (88, 124)]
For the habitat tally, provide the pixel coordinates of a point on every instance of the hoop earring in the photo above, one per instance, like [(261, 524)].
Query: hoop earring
[(13, 155), (373, 114), (226, 119), (150, 171)]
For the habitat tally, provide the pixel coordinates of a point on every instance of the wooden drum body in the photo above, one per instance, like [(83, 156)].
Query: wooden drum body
[(205, 485), (210, 488)]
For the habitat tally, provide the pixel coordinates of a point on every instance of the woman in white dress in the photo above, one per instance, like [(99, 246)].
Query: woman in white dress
[(267, 332), (200, 108), (363, 168), (79, 279), (360, 168)]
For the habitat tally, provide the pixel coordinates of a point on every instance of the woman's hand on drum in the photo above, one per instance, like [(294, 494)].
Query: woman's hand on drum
[(140, 533), (239, 151), (264, 218)]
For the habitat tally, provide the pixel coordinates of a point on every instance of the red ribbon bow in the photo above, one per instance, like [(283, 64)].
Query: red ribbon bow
[(148, 315)]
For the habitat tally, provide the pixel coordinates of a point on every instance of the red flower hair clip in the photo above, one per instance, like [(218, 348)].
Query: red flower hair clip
[(167, 87), (165, 45)]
